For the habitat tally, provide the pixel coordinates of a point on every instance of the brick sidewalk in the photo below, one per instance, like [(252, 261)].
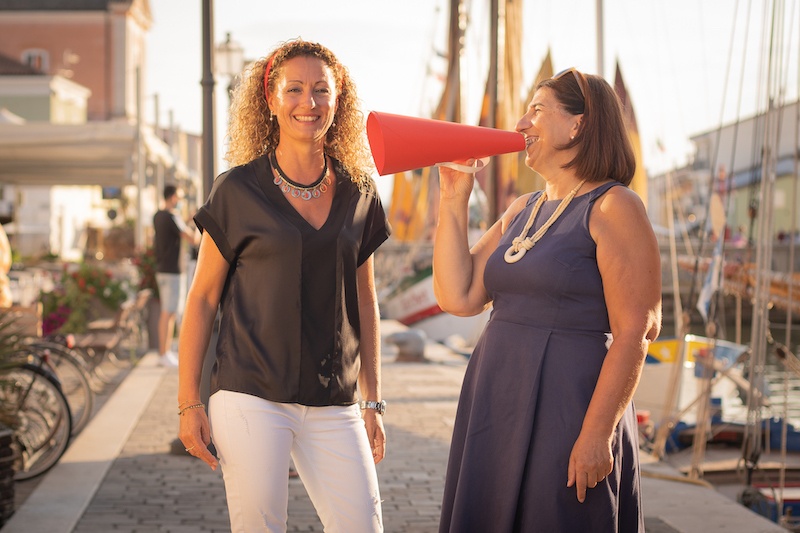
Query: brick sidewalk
[(141, 488), (148, 490)]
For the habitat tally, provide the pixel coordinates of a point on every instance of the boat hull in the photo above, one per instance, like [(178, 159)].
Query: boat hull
[(656, 379), (414, 304)]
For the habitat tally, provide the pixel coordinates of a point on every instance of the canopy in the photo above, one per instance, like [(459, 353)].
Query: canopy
[(95, 153)]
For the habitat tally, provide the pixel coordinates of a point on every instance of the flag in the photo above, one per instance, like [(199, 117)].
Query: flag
[(545, 72), (711, 283), (409, 209), (639, 183), (400, 206)]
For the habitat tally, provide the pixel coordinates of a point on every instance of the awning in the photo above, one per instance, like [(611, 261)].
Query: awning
[(95, 153)]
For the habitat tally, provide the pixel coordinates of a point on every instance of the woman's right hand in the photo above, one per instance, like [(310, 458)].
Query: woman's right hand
[(195, 434), (454, 184)]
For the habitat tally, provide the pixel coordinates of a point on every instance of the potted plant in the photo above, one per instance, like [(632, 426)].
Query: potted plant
[(83, 294)]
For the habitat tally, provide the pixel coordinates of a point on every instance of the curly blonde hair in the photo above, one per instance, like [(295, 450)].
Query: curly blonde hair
[(252, 134)]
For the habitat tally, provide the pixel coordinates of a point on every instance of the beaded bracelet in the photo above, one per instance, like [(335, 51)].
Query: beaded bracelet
[(186, 402), (193, 406)]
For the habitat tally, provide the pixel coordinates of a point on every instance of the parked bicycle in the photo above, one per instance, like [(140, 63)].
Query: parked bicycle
[(47, 384), (33, 406), (32, 403), (69, 366), (73, 375)]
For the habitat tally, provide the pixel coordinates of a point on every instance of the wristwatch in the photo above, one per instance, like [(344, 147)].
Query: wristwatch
[(378, 406)]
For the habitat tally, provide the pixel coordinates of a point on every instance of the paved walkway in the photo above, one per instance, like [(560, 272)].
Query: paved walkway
[(118, 475)]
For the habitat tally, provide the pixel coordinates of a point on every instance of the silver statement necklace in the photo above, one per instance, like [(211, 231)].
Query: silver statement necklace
[(298, 190)]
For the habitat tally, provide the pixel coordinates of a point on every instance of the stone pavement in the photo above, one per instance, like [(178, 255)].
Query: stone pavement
[(118, 475)]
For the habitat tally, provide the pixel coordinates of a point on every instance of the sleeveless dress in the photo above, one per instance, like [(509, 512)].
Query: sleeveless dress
[(527, 387)]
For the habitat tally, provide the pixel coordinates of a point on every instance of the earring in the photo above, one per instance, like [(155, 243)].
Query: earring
[(572, 137)]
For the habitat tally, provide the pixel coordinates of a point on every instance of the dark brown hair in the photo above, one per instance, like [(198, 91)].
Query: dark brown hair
[(604, 150)]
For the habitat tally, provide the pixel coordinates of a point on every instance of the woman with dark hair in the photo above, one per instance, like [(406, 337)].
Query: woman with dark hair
[(286, 255), (545, 437)]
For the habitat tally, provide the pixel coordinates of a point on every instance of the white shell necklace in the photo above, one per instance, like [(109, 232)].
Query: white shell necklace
[(520, 245)]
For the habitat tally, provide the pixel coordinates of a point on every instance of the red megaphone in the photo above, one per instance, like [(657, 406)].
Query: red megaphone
[(401, 143)]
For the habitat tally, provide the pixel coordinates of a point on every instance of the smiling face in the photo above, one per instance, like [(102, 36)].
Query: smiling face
[(304, 99), (548, 128)]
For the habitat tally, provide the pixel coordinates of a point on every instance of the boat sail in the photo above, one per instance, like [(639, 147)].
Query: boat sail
[(409, 297)]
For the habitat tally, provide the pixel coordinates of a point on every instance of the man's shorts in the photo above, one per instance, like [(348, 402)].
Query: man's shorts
[(171, 291)]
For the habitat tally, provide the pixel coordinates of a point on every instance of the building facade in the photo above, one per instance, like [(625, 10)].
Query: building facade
[(729, 162), (78, 157)]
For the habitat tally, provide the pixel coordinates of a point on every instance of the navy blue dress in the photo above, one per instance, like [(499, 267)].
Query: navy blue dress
[(527, 387)]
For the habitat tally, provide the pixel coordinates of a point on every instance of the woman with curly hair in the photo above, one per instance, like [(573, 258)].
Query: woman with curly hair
[(286, 254)]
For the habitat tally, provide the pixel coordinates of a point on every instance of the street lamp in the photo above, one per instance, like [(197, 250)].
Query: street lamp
[(208, 83), (229, 60)]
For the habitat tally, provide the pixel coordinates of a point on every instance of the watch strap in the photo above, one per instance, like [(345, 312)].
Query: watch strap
[(371, 404)]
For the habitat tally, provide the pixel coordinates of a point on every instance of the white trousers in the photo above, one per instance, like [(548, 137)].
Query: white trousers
[(255, 438)]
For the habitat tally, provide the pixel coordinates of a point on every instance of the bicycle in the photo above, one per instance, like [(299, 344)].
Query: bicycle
[(73, 375), (33, 406), (21, 329)]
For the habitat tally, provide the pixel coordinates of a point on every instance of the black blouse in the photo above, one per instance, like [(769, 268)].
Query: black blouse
[(289, 329)]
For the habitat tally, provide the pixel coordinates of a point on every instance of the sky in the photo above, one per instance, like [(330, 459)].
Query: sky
[(689, 65)]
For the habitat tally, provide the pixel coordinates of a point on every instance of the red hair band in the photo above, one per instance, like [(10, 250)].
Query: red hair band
[(269, 69), (266, 75)]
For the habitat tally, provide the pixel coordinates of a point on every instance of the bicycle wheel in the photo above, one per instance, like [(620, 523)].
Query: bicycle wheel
[(71, 371), (98, 379), (36, 410), (97, 362)]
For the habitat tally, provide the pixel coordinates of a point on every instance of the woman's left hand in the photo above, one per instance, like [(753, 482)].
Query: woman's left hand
[(589, 463), (373, 422)]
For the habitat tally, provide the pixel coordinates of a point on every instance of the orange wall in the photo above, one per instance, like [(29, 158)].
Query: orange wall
[(84, 35)]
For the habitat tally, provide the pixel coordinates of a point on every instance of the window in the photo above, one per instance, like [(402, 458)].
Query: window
[(36, 58)]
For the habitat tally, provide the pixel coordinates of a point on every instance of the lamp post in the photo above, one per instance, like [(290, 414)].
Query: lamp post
[(229, 60), (209, 132)]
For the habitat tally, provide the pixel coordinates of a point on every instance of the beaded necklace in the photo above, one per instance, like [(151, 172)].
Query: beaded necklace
[(298, 190), (520, 245)]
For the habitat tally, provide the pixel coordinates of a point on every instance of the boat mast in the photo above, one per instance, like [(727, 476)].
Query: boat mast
[(490, 187), (503, 99), (450, 108), (760, 323), (600, 36)]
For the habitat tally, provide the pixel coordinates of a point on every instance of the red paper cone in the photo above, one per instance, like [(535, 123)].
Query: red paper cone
[(401, 143)]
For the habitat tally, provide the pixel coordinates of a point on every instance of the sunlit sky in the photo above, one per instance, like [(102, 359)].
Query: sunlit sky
[(684, 62)]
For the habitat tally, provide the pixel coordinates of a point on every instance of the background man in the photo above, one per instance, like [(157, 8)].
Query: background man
[(170, 275)]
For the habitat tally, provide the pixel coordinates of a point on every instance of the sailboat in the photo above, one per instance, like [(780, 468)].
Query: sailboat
[(408, 296), (406, 293), (760, 155)]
